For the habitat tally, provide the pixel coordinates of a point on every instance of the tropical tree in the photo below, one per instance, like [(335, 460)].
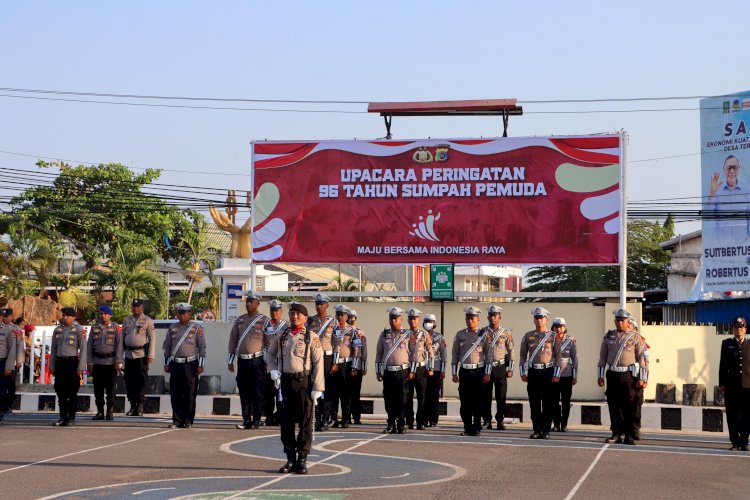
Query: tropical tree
[(212, 296), (338, 285), (97, 208), (19, 253), (133, 274), (199, 252)]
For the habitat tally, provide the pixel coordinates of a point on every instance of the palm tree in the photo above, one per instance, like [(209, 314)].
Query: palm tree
[(19, 254), (200, 251), (349, 285), (213, 296), (132, 274)]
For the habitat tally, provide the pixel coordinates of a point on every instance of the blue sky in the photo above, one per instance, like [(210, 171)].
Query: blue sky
[(363, 51)]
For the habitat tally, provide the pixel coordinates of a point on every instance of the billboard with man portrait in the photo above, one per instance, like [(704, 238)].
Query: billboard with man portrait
[(534, 200), (725, 173)]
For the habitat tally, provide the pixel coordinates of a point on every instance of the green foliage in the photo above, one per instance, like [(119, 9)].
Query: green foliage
[(21, 253), (99, 207), (199, 254), (647, 265), (132, 274)]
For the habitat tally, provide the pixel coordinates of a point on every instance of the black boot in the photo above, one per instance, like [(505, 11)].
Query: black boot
[(301, 466), (110, 413), (132, 409), (289, 465), (99, 416), (138, 410)]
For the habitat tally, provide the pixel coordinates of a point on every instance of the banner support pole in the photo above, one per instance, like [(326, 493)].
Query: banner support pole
[(623, 220)]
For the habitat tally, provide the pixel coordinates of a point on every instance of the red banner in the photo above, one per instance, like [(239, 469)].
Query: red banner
[(540, 200)]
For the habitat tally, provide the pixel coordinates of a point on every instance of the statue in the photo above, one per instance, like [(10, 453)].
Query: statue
[(241, 241)]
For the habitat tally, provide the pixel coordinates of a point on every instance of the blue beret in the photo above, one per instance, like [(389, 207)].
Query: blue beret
[(106, 309)]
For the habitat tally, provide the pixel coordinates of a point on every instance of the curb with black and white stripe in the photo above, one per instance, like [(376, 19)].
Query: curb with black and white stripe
[(655, 416)]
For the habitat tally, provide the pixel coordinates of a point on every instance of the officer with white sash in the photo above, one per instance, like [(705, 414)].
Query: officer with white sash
[(184, 360), (468, 359)]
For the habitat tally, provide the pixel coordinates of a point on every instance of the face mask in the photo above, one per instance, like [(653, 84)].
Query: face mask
[(428, 326)]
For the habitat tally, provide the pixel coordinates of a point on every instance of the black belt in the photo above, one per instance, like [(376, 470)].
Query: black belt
[(66, 357), (297, 375), (104, 356), (134, 348)]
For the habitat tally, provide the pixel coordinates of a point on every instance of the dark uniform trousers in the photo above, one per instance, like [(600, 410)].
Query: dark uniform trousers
[(541, 398), (338, 393), (104, 381), (354, 384), (136, 375), (499, 385), (418, 384), (251, 384), (395, 388), (563, 391), (470, 393), (622, 399), (269, 404), (737, 407), (639, 405), (183, 389), (5, 385), (347, 388), (296, 409), (432, 397), (66, 386), (12, 390), (323, 408)]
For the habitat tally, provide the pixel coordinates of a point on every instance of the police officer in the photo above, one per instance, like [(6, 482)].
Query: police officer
[(437, 365), (322, 324), (7, 322), (621, 356), (8, 353), (420, 345), (468, 359), (538, 359), (734, 364), (499, 366), (104, 354), (295, 360), (359, 367), (139, 344), (344, 354), (66, 362), (184, 359), (640, 391), (392, 368), (246, 344), (274, 326), (567, 372)]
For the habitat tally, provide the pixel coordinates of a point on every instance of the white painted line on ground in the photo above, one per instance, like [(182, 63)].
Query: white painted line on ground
[(394, 477), (83, 451), (152, 489), (276, 480), (586, 474)]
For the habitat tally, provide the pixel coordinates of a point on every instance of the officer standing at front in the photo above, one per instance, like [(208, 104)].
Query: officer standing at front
[(66, 362), (621, 356), (246, 344), (8, 352), (567, 372), (139, 342), (274, 326), (322, 324), (499, 366), (104, 352), (538, 358), (184, 360), (295, 358), (392, 368), (468, 358), (437, 365), (420, 345), (359, 367), (735, 383)]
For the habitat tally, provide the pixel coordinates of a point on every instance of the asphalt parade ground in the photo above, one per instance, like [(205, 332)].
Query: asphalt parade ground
[(140, 458)]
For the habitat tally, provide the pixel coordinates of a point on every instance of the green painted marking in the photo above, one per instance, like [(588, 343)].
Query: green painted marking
[(578, 179)]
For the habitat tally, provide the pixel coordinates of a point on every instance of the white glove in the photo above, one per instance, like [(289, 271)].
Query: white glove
[(316, 395), (275, 375)]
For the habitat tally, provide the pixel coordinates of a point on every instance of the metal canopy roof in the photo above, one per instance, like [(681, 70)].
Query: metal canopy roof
[(477, 107)]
